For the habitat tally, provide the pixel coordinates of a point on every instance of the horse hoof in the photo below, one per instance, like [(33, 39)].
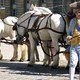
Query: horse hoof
[(13, 60), (1, 57), (28, 59), (67, 67), (43, 65), (29, 65), (37, 60), (46, 65), (54, 67), (22, 60)]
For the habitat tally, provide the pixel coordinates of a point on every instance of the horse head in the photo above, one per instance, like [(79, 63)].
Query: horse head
[(21, 26), (10, 20)]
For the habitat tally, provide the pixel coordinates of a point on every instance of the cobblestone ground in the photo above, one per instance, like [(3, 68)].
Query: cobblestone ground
[(20, 71)]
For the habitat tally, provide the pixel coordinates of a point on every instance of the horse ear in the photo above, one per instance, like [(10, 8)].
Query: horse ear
[(32, 7)]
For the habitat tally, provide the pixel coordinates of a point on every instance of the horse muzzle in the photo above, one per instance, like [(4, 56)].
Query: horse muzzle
[(19, 40)]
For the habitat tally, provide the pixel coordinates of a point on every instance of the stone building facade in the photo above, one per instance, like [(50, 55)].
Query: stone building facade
[(18, 7)]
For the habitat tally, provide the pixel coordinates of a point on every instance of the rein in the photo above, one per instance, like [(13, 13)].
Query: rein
[(75, 36), (7, 41), (51, 30)]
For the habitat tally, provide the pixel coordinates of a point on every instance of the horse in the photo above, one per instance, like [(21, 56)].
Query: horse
[(69, 15), (6, 30), (45, 26), (43, 10)]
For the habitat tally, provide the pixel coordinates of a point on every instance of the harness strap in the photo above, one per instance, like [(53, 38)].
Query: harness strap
[(36, 25), (7, 41), (6, 23), (40, 41), (51, 30)]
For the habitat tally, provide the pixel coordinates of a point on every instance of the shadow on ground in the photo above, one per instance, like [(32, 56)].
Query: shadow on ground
[(37, 69)]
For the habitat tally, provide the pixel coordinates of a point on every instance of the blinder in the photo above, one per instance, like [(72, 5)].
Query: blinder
[(19, 38), (15, 27)]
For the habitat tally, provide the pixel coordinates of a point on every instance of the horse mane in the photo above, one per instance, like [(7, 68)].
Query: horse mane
[(40, 10)]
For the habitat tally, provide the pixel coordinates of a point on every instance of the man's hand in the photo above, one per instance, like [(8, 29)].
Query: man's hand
[(69, 39)]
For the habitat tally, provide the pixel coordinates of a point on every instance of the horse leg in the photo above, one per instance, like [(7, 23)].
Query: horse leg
[(15, 54), (1, 56), (55, 61), (47, 59), (24, 50), (54, 51), (36, 53), (28, 52), (32, 55), (32, 50)]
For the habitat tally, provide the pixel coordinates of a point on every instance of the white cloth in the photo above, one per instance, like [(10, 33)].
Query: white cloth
[(74, 58)]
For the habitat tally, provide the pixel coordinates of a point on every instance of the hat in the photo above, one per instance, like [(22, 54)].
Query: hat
[(75, 5)]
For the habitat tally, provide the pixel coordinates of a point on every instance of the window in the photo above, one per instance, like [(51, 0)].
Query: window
[(1, 2), (13, 7), (58, 6), (43, 1), (26, 5)]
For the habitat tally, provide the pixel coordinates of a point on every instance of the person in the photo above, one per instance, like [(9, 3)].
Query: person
[(70, 14), (73, 38)]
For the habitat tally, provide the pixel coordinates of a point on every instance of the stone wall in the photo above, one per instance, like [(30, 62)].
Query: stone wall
[(7, 7), (20, 5)]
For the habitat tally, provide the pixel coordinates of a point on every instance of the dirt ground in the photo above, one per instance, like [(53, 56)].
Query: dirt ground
[(20, 71)]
